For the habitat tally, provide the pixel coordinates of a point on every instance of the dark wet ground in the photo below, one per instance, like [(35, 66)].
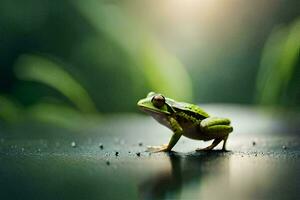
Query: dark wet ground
[(39, 161)]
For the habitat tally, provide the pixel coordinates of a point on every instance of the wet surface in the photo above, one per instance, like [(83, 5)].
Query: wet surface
[(108, 160)]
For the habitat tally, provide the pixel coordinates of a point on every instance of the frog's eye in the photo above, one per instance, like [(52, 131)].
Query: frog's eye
[(158, 101)]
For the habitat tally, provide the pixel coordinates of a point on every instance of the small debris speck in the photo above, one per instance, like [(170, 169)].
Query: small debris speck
[(253, 143), (117, 153), (138, 154), (256, 154), (140, 144), (284, 147), (73, 144), (101, 146), (107, 163)]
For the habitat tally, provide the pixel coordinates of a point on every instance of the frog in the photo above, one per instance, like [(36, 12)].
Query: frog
[(185, 119)]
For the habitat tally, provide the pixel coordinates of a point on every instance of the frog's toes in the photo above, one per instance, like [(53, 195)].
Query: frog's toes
[(151, 148), (155, 149)]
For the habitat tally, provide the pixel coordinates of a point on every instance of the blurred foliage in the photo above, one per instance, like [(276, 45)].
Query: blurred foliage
[(160, 69), (34, 68), (9, 110), (62, 61), (62, 115), (278, 80)]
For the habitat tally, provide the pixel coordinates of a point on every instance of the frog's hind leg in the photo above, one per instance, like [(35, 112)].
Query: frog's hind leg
[(210, 147), (217, 129), (224, 143)]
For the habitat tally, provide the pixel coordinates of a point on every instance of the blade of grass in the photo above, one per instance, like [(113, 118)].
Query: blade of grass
[(39, 69)]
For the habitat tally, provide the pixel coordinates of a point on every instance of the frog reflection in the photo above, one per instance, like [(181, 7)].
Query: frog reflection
[(187, 171)]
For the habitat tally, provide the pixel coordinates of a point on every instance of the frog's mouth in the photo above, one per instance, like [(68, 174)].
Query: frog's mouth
[(151, 110)]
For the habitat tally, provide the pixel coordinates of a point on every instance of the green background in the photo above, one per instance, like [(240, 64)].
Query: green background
[(61, 60)]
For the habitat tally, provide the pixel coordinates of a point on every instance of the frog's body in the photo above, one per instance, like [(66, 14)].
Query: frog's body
[(185, 119)]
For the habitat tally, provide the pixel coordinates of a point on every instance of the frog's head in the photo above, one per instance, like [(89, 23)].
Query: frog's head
[(154, 103)]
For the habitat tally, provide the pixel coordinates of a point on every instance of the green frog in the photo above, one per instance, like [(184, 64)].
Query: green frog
[(185, 119)]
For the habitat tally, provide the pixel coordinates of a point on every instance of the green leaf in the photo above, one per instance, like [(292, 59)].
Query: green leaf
[(40, 69)]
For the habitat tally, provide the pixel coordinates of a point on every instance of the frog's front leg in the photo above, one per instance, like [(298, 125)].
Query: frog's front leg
[(217, 129), (177, 133)]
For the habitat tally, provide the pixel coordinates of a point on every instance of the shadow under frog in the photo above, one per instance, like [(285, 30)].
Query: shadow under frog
[(187, 169)]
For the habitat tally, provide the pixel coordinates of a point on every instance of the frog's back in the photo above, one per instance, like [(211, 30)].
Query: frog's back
[(191, 109)]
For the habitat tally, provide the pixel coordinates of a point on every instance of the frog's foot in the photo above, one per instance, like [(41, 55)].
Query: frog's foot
[(210, 147), (204, 149), (156, 149)]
